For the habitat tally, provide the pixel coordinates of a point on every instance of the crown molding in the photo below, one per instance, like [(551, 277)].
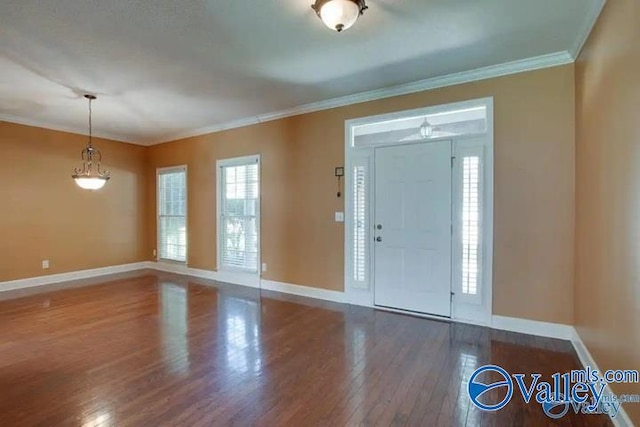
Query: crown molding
[(68, 129), (513, 67), (587, 28), (247, 121), (493, 71), (484, 73)]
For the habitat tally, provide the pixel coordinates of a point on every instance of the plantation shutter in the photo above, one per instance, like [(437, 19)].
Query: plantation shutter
[(470, 224), (360, 224)]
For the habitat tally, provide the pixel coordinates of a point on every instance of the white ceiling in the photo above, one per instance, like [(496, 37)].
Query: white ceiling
[(165, 68)]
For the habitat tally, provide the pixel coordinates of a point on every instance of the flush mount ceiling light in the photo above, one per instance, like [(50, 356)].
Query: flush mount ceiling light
[(339, 15), (91, 176)]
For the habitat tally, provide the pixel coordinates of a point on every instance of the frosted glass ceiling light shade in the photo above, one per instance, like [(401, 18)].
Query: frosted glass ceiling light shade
[(90, 183), (91, 176), (339, 15)]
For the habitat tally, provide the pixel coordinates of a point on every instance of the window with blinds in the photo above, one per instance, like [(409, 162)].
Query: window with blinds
[(239, 210), (359, 224), (172, 214), (470, 224)]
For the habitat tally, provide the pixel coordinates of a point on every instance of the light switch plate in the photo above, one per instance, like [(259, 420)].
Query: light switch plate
[(339, 216)]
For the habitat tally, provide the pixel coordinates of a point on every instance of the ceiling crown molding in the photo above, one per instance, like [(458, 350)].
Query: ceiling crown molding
[(592, 18), (493, 71), (68, 129), (514, 67)]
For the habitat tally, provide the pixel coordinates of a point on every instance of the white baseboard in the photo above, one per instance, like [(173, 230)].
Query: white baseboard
[(533, 327), (51, 279), (304, 291), (235, 278), (622, 419), (362, 298)]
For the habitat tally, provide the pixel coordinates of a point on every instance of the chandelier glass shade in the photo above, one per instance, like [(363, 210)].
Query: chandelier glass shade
[(91, 176), (339, 15)]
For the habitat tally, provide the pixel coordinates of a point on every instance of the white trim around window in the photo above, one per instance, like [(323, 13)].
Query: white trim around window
[(178, 255), (247, 256), (469, 224)]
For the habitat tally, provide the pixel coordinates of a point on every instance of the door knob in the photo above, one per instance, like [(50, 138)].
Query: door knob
[(378, 239)]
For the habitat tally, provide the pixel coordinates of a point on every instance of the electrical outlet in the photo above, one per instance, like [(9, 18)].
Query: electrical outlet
[(45, 264), (155, 252), (264, 267), (339, 217)]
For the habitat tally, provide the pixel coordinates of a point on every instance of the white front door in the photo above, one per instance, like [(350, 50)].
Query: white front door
[(413, 227)]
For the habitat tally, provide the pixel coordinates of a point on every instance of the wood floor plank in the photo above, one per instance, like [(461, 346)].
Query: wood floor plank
[(155, 349)]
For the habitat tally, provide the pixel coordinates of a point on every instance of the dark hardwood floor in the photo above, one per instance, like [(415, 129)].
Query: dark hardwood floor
[(156, 350)]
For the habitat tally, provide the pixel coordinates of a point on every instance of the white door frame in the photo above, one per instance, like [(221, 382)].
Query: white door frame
[(361, 291)]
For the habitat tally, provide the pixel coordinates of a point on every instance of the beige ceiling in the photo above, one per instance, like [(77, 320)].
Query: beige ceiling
[(163, 68)]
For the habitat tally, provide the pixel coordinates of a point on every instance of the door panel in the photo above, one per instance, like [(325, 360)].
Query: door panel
[(413, 249)]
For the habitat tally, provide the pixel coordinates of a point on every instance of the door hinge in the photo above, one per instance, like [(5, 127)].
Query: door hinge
[(452, 160)]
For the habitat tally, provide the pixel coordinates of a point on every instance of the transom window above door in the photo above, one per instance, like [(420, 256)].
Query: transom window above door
[(466, 121)]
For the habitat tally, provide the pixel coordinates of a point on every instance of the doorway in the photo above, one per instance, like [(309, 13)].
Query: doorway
[(419, 211)]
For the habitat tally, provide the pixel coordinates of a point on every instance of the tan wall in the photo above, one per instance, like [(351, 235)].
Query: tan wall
[(534, 189), (44, 215), (607, 309)]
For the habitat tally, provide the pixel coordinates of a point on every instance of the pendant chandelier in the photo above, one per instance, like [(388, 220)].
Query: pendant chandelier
[(91, 176), (339, 15)]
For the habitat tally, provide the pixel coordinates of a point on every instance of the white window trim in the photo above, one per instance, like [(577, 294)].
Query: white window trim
[(467, 148), (237, 161), (166, 170), (363, 294)]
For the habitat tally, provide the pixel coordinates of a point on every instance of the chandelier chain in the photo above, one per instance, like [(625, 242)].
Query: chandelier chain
[(90, 126)]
